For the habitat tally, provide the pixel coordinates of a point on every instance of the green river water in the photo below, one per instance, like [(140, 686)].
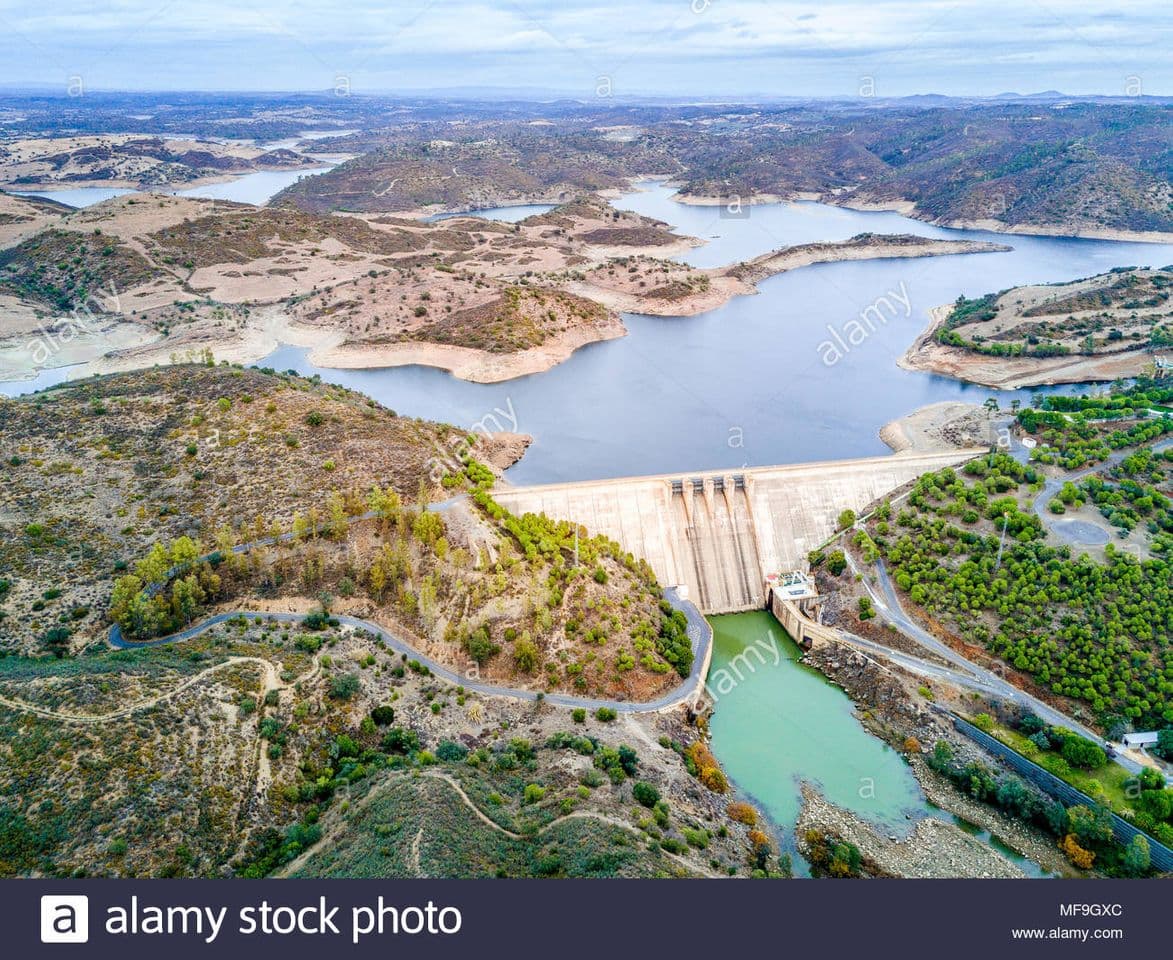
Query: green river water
[(778, 722)]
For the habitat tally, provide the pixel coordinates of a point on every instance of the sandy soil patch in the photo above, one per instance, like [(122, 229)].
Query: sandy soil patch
[(62, 343), (948, 425)]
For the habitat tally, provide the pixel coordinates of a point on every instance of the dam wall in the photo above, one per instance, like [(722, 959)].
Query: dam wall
[(718, 533)]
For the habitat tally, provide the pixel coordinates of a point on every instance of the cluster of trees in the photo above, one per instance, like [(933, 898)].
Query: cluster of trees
[(966, 311), (570, 551), (1084, 833), (1150, 803), (831, 857), (1130, 496), (1091, 631), (166, 591), (1121, 402)]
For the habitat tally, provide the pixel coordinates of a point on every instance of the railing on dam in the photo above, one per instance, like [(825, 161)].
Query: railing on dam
[(1065, 793)]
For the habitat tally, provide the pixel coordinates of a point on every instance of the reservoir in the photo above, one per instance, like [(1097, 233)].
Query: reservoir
[(745, 384), (257, 188)]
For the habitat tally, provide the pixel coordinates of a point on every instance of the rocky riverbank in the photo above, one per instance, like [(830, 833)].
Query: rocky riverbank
[(934, 848), (892, 706)]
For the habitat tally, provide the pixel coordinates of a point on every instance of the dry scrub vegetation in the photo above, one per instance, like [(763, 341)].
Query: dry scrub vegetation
[(261, 747)]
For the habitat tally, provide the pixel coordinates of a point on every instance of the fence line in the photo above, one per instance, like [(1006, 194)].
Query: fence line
[(1161, 855)]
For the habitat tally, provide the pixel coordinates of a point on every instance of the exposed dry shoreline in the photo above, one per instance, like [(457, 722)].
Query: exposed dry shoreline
[(872, 247), (466, 363), (272, 327), (948, 425), (908, 208), (934, 848), (1012, 373)]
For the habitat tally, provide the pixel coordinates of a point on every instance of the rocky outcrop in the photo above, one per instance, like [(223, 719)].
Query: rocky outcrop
[(934, 848)]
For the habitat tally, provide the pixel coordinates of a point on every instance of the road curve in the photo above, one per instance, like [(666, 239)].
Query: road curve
[(699, 633), (891, 611)]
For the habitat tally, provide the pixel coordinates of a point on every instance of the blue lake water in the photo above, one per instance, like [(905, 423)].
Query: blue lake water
[(504, 214), (76, 197), (257, 188), (747, 383)]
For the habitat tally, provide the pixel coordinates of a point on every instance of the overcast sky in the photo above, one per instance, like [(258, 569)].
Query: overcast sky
[(678, 47)]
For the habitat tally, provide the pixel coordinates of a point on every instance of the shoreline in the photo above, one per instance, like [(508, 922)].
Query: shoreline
[(329, 348), (926, 355), (466, 363), (908, 209), (937, 428)]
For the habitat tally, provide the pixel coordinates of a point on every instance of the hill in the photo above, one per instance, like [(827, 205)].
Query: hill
[(1098, 328)]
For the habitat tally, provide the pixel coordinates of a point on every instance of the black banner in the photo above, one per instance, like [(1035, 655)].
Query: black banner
[(569, 919)]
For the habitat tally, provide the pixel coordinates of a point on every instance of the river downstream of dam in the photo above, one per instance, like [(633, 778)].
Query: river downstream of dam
[(783, 723)]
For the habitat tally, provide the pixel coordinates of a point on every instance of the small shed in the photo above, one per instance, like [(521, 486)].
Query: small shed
[(1140, 739)]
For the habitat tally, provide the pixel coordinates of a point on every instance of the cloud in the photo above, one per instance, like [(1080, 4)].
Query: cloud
[(681, 46)]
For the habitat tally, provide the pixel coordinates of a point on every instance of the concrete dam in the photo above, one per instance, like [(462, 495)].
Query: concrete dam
[(720, 533)]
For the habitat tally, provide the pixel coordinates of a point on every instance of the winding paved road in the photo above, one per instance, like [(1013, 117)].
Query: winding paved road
[(891, 611), (1052, 487), (699, 633)]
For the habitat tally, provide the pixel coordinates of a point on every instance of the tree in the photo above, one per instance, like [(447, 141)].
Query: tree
[(184, 552), (1083, 753), (186, 597), (125, 590), (526, 654), (837, 562), (337, 525), (344, 686), (400, 740), (56, 640), (153, 567), (645, 794), (1163, 748), (1078, 856), (480, 646), (428, 528), (1137, 859), (1090, 826), (846, 519), (378, 580), (301, 527)]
